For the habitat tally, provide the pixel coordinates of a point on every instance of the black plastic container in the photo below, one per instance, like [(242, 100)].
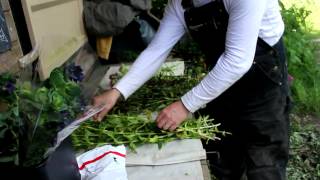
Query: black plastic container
[(61, 165)]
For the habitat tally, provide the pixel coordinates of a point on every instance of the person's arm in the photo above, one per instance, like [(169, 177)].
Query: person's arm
[(245, 17), (171, 29)]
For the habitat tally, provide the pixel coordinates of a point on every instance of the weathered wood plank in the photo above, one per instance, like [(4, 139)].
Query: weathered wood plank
[(5, 5), (11, 26), (205, 170), (9, 59)]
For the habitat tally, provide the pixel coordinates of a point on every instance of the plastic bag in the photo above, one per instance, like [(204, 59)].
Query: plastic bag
[(146, 30), (106, 162)]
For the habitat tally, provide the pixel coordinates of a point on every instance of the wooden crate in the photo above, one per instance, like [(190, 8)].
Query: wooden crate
[(57, 27)]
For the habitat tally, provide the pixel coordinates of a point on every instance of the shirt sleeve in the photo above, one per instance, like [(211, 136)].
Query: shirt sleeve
[(171, 29), (245, 17)]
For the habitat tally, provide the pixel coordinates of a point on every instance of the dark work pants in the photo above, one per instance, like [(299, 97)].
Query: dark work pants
[(255, 111)]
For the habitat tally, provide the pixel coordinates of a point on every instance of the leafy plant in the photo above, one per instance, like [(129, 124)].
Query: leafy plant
[(33, 115), (301, 60), (45, 112), (9, 120)]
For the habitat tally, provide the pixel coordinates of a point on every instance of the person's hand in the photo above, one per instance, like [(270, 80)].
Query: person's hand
[(109, 98), (172, 116)]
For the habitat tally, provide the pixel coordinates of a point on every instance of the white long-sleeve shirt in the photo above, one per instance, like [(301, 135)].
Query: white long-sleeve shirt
[(248, 20)]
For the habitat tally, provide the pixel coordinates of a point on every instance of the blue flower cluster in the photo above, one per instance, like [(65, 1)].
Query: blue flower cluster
[(74, 72), (7, 85)]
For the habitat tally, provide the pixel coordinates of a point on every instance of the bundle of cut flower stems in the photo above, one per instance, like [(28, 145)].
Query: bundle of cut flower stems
[(131, 123), (135, 130)]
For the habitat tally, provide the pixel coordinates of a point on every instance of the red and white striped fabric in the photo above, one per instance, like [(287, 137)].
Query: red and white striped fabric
[(106, 162)]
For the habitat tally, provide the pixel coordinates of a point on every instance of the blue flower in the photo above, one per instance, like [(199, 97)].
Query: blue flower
[(9, 87), (75, 73)]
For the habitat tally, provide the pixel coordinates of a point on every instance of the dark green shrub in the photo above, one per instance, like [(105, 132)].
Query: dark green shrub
[(158, 7)]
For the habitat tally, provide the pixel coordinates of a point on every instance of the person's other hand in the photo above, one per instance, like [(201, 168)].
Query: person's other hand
[(172, 116), (109, 98)]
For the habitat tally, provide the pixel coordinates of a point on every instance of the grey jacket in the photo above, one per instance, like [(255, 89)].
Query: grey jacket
[(110, 17)]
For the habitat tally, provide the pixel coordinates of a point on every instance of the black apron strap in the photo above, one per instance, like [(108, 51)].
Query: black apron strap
[(208, 25), (186, 4)]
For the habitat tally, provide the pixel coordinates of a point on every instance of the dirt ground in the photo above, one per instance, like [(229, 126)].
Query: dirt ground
[(315, 120)]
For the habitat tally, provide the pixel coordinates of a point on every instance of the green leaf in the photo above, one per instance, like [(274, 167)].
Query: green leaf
[(73, 89), (3, 131), (6, 159), (57, 78), (42, 95), (4, 116), (15, 111), (58, 101)]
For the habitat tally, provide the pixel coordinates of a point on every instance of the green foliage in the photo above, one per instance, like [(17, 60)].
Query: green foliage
[(158, 7), (33, 116), (132, 124), (313, 6), (159, 91), (9, 120), (301, 60), (304, 161), (128, 56), (188, 50)]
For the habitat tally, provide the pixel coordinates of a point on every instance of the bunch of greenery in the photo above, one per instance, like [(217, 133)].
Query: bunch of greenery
[(160, 91), (132, 124), (134, 130), (33, 115)]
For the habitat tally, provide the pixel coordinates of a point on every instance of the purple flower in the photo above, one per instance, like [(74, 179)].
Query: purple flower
[(9, 87), (75, 73), (290, 79)]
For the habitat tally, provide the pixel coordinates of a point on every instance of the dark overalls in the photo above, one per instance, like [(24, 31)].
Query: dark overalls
[(254, 109)]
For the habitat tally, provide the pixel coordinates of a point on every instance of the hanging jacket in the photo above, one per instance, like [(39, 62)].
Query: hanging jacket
[(110, 17)]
